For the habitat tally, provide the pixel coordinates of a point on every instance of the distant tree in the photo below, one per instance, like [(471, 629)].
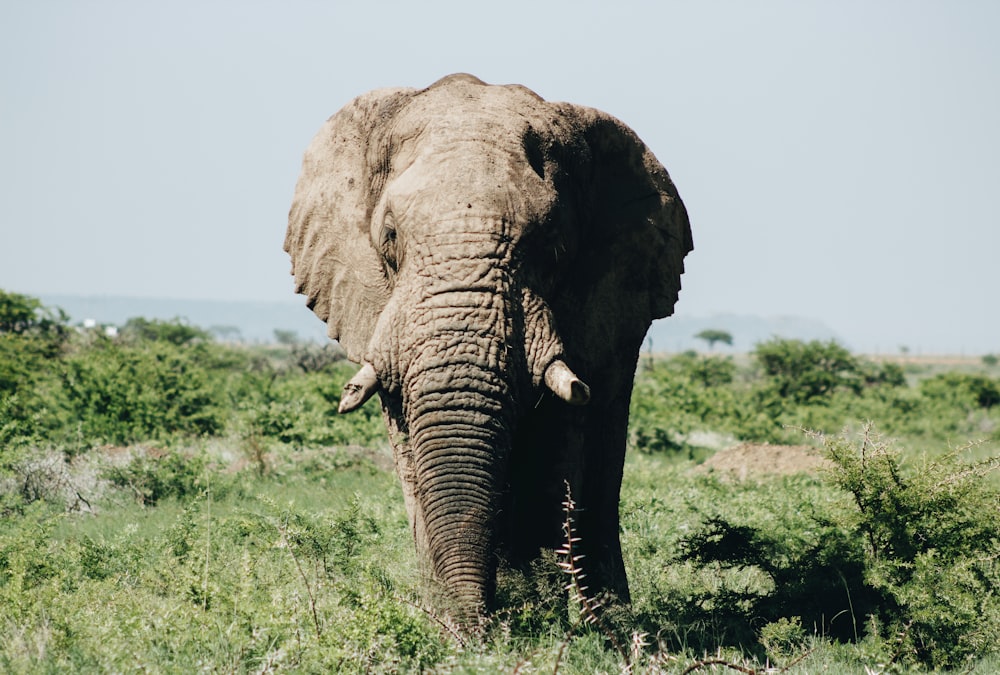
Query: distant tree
[(227, 333), (25, 315), (713, 335), (176, 331), (30, 334), (991, 359), (286, 337)]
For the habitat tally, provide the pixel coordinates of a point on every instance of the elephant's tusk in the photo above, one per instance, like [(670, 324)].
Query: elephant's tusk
[(565, 384), (358, 389)]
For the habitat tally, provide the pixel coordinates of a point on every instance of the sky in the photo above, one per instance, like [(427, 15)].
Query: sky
[(840, 161)]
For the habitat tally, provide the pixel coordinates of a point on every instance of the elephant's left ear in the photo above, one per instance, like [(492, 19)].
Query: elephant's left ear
[(328, 237), (639, 223)]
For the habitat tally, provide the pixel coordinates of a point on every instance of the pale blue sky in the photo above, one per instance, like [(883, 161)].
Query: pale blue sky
[(840, 160)]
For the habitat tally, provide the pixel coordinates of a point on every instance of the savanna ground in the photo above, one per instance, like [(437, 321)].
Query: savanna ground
[(172, 504)]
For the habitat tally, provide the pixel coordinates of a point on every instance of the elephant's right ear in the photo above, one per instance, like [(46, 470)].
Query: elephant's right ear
[(333, 261)]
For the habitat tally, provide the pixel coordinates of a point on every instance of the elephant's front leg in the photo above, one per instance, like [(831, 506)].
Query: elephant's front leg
[(582, 450), (598, 519)]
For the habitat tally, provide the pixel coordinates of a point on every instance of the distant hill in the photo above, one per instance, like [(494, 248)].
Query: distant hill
[(257, 321)]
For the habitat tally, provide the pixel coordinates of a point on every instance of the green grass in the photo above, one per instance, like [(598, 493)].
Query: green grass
[(310, 567), (173, 505)]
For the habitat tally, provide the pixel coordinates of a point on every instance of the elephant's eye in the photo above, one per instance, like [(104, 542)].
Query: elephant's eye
[(387, 243)]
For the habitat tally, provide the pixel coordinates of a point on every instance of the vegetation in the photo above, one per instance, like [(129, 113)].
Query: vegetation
[(173, 504), (713, 335)]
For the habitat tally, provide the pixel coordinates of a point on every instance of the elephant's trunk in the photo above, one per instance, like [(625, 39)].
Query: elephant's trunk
[(460, 438), (458, 400)]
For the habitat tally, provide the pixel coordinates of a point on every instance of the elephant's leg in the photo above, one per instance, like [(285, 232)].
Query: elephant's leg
[(555, 453), (584, 449), (604, 458), (544, 458)]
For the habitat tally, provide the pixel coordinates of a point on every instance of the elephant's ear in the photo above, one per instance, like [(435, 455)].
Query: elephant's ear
[(333, 261), (639, 228)]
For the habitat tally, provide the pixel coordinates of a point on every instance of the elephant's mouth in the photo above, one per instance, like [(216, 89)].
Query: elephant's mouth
[(558, 377), (543, 349)]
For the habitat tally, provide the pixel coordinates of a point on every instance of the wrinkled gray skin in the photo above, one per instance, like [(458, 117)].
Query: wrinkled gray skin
[(487, 255)]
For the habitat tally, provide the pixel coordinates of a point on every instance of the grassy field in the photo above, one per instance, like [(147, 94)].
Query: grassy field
[(229, 521)]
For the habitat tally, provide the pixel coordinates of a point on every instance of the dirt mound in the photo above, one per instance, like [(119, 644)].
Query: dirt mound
[(751, 460)]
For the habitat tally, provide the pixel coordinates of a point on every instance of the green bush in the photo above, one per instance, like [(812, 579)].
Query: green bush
[(801, 566), (931, 545), (903, 563), (807, 371), (24, 315), (708, 371), (32, 339), (689, 393), (122, 394), (795, 385), (152, 477), (300, 409), (962, 390)]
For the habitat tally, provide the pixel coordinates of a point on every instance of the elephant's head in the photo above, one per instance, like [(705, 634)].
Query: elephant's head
[(475, 247)]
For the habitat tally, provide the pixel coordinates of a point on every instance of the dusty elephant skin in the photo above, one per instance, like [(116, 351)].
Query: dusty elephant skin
[(494, 261)]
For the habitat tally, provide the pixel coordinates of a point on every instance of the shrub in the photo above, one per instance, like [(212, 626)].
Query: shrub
[(17, 432), (962, 390), (782, 638), (121, 394), (708, 371), (32, 338), (807, 371), (931, 547), (906, 563), (689, 393), (301, 409), (24, 315), (806, 567), (151, 477)]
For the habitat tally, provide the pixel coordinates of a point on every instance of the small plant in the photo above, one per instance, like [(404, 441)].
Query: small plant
[(783, 638), (589, 609)]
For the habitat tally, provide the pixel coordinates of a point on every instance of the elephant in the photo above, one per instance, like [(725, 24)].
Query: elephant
[(493, 261)]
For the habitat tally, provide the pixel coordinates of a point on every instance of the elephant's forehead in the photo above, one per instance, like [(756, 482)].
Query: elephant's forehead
[(463, 147), (469, 113)]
